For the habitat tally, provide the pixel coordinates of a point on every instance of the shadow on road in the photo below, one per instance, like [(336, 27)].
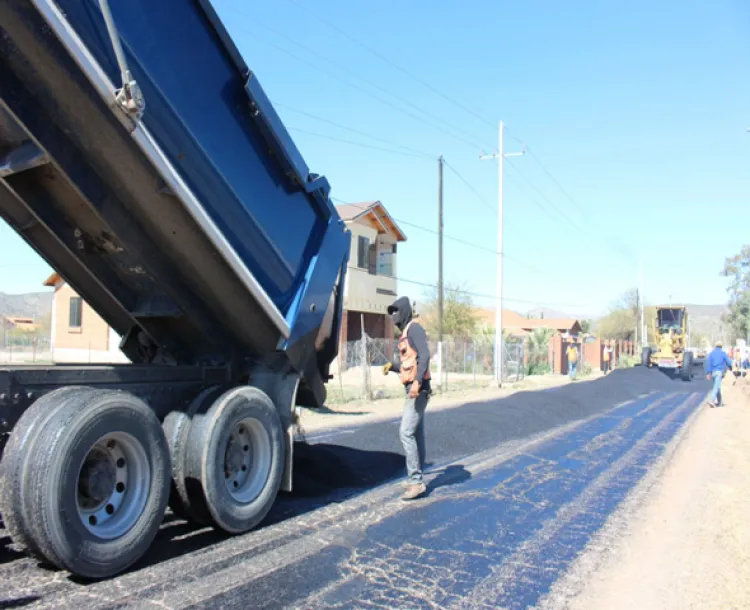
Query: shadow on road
[(451, 475), (7, 554), (19, 602), (322, 474)]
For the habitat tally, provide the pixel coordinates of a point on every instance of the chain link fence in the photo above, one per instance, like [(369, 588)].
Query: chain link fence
[(25, 349), (465, 364)]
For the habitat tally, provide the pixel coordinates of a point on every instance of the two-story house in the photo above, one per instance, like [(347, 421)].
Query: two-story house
[(371, 282)]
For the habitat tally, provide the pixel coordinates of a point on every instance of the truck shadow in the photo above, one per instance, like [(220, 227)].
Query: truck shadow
[(323, 474)]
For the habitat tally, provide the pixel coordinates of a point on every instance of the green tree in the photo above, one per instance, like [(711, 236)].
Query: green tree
[(537, 346), (587, 326), (623, 317), (737, 270), (460, 319)]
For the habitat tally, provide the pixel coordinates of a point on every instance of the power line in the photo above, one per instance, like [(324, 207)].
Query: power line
[(621, 250), (352, 130), (393, 64), (464, 242), (358, 88), (543, 196), (471, 187), (469, 292), (354, 74), (353, 143)]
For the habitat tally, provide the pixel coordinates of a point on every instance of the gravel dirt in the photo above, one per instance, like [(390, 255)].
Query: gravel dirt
[(364, 412), (686, 543)]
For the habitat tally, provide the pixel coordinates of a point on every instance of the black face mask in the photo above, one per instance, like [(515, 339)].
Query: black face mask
[(401, 312)]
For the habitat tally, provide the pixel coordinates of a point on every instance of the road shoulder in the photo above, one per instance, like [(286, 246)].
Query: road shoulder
[(686, 542)]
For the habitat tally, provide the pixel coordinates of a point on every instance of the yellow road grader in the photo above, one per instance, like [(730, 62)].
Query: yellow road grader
[(670, 352)]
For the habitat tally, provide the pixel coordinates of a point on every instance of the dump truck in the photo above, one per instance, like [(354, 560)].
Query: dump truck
[(670, 352), (141, 158)]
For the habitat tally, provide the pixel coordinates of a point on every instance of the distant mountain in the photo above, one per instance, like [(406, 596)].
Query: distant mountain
[(543, 312), (704, 319), (32, 304)]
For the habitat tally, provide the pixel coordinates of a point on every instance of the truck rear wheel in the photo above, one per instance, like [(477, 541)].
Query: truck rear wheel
[(100, 483), (18, 457), (184, 501), (235, 451)]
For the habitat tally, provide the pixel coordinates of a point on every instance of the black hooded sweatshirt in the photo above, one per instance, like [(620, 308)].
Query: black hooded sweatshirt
[(400, 311)]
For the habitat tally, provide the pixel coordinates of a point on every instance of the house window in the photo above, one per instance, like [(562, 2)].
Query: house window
[(363, 252), (76, 311)]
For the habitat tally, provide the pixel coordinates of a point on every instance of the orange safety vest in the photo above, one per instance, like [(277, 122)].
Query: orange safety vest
[(408, 359)]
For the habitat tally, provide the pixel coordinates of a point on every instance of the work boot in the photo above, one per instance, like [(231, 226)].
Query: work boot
[(413, 491)]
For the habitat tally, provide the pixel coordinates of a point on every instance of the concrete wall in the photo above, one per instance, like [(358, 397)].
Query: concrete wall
[(592, 352)]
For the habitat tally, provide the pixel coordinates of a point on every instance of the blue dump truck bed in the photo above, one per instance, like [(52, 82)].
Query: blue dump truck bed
[(193, 226)]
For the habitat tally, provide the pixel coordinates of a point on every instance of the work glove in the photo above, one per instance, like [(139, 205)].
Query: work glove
[(387, 368)]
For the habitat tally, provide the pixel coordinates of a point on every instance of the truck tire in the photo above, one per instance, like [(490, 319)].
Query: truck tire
[(235, 454), (110, 448), (686, 372), (183, 501), (18, 458), (646, 357)]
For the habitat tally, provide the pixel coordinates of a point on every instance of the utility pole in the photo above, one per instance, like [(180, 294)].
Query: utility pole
[(644, 335), (500, 156), (440, 270)]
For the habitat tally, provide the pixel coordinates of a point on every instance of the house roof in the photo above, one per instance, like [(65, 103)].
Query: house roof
[(52, 280), (21, 323), (556, 323), (374, 213), (517, 324), (511, 319)]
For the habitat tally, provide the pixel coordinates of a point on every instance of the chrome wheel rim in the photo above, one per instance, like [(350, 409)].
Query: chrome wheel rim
[(113, 483), (247, 460)]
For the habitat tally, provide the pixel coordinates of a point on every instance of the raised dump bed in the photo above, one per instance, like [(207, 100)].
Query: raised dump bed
[(141, 158)]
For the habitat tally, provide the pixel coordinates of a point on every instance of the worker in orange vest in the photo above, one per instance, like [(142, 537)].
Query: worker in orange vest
[(414, 371), (607, 357), (572, 353)]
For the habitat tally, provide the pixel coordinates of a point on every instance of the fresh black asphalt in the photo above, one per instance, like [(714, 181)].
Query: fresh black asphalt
[(517, 488)]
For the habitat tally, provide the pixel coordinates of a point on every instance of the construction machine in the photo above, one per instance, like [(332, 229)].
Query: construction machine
[(670, 352)]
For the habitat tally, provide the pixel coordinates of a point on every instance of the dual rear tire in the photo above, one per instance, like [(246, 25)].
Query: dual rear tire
[(227, 458), (87, 474)]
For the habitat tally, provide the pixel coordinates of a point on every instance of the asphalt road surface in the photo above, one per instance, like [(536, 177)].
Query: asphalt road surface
[(516, 489)]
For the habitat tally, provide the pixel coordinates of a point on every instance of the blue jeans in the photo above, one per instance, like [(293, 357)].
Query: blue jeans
[(572, 368), (716, 390), (412, 435)]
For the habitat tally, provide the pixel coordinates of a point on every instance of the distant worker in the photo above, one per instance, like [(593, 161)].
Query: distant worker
[(717, 364), (607, 357), (414, 370), (572, 353)]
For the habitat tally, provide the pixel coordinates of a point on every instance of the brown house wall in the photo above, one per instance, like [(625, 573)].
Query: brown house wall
[(93, 334)]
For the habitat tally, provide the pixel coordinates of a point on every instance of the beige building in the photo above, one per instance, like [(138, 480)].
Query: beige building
[(78, 333), (371, 282)]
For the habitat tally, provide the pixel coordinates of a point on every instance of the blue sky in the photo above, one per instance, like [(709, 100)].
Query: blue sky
[(638, 110)]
